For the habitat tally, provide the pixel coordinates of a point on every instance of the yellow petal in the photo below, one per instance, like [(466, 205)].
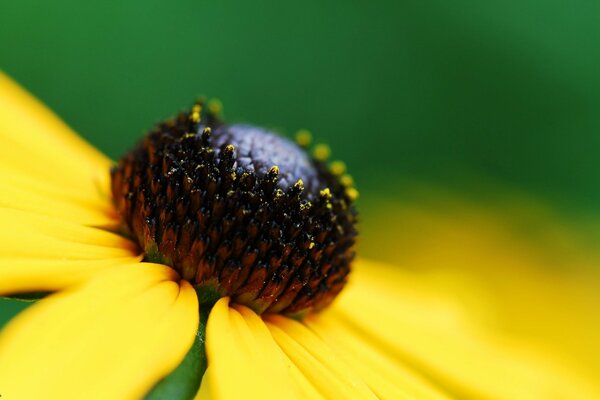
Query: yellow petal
[(27, 235), (113, 338), (387, 377), (20, 191), (436, 337), (519, 265), (23, 275), (40, 253), (244, 362), (332, 377), (39, 144)]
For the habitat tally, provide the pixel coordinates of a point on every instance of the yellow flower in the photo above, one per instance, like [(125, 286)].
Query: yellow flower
[(116, 326)]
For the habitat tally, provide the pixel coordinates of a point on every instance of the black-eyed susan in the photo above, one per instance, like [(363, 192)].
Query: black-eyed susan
[(230, 222)]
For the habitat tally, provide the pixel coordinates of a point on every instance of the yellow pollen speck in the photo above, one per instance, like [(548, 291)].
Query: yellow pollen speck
[(326, 193), (207, 130), (195, 117), (337, 167), (230, 148), (215, 106), (352, 193), (311, 245), (305, 206), (347, 180), (303, 138), (188, 135), (321, 152), (299, 184), (274, 170)]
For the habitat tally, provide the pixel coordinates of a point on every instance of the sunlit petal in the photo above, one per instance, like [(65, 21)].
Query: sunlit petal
[(30, 235), (332, 377), (26, 275), (37, 143), (23, 192), (40, 253), (437, 338), (387, 377), (244, 361), (113, 338)]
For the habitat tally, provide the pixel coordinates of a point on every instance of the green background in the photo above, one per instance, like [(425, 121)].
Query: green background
[(467, 94), (461, 91)]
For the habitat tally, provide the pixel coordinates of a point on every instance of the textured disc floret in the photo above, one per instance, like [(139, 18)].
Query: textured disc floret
[(241, 211)]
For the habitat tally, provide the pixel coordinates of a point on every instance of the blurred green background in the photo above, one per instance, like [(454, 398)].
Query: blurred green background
[(466, 94), (457, 92)]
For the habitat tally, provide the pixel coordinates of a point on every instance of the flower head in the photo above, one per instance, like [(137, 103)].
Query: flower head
[(238, 211), (117, 326)]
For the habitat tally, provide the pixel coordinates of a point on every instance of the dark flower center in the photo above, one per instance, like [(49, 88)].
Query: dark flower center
[(240, 211)]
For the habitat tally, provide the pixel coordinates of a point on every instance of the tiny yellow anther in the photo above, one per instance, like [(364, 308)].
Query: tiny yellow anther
[(230, 148), (337, 167), (325, 193), (215, 106), (195, 117), (274, 170), (305, 206), (299, 184), (321, 152), (352, 193), (303, 138), (311, 245), (347, 180), (207, 130)]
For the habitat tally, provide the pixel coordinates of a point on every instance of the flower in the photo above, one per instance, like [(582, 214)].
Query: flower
[(115, 326)]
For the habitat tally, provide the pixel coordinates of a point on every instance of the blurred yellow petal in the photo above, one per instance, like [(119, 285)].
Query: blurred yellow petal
[(23, 192), (113, 338), (517, 265), (34, 236), (40, 253), (436, 337), (389, 378), (332, 377), (23, 275), (37, 143), (244, 362)]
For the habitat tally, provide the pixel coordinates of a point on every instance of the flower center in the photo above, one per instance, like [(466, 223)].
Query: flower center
[(239, 210)]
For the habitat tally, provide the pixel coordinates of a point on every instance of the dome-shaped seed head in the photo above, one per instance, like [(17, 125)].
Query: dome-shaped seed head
[(238, 210)]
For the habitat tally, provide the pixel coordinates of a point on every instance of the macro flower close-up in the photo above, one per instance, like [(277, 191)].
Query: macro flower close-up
[(433, 236), (117, 325)]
